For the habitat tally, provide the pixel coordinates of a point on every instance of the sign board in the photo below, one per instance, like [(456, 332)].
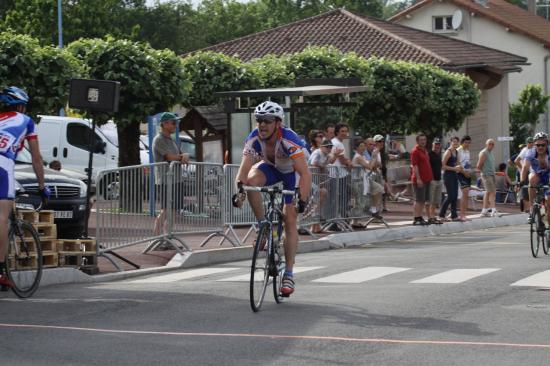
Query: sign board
[(505, 138)]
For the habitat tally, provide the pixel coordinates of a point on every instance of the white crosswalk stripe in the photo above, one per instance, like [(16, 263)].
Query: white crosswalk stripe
[(178, 276), (541, 279), (246, 277), (456, 275), (361, 275)]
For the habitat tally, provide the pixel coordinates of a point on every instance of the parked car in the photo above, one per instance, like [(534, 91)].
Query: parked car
[(67, 200)]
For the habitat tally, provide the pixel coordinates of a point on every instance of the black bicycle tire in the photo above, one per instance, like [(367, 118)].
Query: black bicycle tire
[(278, 280), (545, 243), (541, 231), (256, 304), (534, 233), (25, 227)]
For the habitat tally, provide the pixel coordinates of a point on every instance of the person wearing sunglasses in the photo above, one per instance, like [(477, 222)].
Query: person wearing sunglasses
[(486, 167), (536, 168), (282, 158)]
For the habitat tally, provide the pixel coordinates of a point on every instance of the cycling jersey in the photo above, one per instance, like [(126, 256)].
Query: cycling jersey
[(536, 166), (14, 128), (289, 147)]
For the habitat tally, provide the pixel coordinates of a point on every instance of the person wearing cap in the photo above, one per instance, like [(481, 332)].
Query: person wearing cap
[(319, 160), (380, 142), (165, 149), (436, 186), (486, 167)]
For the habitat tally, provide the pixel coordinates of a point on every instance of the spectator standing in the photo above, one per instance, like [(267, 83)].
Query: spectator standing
[(165, 149), (384, 157), (451, 167), (435, 184), (342, 164), (330, 131), (421, 177), (486, 167), (319, 160), (369, 185), (315, 137), (465, 174)]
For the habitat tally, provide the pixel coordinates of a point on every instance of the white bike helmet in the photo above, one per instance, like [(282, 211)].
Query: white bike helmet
[(270, 109), (540, 136)]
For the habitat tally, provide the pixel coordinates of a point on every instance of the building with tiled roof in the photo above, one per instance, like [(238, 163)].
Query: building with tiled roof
[(493, 23), (368, 37)]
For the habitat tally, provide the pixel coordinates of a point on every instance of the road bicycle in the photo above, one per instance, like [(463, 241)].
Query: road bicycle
[(536, 219), (24, 258), (268, 264)]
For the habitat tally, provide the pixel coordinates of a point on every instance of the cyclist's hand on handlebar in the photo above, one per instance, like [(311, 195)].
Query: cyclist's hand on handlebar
[(238, 198), (45, 195)]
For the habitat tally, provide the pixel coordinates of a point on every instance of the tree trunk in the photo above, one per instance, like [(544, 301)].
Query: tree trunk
[(130, 181)]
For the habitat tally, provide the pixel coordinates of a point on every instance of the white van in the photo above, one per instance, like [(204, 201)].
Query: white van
[(67, 139)]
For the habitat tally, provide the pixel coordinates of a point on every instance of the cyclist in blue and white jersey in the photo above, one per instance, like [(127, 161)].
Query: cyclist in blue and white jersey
[(15, 127), (283, 157), (537, 165)]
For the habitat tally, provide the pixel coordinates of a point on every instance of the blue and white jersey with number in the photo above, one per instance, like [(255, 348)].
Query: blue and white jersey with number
[(289, 147), (15, 127)]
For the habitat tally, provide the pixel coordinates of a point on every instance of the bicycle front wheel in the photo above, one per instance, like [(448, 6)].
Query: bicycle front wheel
[(535, 237), (279, 263), (24, 262), (259, 273)]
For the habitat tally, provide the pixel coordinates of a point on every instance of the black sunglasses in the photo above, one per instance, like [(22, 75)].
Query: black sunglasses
[(265, 119), (540, 145)]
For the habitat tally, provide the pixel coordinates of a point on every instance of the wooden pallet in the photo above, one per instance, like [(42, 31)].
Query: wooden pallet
[(46, 216), (77, 259), (48, 245), (28, 215), (46, 231), (76, 245), (30, 263), (50, 259)]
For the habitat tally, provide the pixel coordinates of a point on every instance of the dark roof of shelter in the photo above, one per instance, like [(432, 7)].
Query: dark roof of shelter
[(213, 114), (509, 15), (367, 37)]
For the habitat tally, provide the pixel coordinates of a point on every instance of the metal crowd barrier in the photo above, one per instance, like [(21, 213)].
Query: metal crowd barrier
[(161, 203)]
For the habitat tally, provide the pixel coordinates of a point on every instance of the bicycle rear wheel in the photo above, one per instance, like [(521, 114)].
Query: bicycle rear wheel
[(535, 226), (24, 262), (259, 273)]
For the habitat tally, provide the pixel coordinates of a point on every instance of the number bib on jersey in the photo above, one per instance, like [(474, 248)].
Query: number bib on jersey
[(6, 141)]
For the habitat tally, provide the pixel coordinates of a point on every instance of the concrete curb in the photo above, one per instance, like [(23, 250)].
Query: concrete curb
[(197, 258)]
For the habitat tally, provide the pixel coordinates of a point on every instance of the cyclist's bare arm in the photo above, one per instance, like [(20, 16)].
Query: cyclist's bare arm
[(525, 170), (300, 166), (246, 164), (37, 163)]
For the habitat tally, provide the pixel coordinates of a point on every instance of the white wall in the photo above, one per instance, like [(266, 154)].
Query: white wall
[(485, 32)]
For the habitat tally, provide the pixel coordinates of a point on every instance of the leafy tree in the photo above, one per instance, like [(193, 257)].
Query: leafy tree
[(272, 71), (151, 81), (525, 113), (44, 72), (212, 72)]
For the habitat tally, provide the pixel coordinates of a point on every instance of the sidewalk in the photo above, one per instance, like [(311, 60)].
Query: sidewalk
[(399, 216)]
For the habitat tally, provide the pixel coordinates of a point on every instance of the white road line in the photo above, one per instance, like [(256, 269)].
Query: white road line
[(361, 275), (173, 277), (541, 279), (246, 277), (456, 275)]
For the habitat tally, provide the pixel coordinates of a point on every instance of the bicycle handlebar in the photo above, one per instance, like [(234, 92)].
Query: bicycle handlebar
[(284, 192)]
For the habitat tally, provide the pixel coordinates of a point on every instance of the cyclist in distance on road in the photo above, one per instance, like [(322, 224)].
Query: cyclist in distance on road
[(15, 127), (282, 157), (537, 165)]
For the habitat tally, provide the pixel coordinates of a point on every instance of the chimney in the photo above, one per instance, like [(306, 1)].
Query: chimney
[(532, 6)]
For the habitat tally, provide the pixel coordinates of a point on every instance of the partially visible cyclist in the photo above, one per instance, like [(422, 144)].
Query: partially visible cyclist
[(283, 157), (536, 167), (15, 127)]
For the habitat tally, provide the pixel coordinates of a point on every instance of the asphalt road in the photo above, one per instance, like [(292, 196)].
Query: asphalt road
[(464, 299)]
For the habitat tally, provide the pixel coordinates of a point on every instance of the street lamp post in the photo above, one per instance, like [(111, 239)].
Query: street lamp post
[(60, 38)]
